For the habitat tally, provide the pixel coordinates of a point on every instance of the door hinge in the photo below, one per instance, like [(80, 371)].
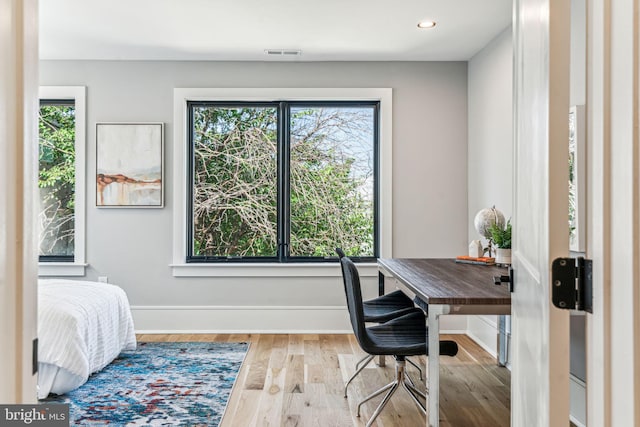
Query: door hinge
[(572, 284)]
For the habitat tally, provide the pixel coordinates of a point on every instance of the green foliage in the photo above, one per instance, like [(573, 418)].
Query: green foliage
[(57, 149), (327, 210), (501, 236), (235, 185), (234, 176), (57, 178)]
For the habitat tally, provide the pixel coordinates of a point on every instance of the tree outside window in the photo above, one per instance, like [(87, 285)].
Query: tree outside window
[(56, 179), (282, 180)]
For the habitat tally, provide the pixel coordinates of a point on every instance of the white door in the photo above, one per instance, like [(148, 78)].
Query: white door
[(18, 178), (540, 332)]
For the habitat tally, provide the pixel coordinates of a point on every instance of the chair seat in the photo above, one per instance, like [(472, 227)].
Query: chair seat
[(405, 336), (387, 307)]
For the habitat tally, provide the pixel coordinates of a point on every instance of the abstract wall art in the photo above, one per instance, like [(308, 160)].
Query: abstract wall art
[(129, 165)]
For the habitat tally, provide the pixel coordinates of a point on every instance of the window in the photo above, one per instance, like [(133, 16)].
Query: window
[(61, 180), (56, 180), (282, 181), (187, 262)]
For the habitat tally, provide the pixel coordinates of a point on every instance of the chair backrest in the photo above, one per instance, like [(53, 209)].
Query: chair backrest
[(353, 292), (341, 255)]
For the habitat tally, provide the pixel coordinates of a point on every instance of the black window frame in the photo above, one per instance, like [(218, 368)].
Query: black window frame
[(283, 185), (57, 258)]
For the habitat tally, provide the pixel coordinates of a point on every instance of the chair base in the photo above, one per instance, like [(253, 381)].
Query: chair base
[(415, 365), (401, 380), (362, 363)]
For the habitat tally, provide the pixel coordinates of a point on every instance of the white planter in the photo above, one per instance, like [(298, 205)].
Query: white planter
[(503, 256)]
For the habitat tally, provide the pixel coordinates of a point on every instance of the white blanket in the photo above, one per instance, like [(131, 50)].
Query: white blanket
[(82, 327)]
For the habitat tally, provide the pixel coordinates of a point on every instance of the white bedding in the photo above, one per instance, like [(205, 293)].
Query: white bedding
[(82, 327)]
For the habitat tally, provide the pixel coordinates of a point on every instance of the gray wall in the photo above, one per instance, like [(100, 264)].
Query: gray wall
[(490, 130), (490, 149), (133, 247)]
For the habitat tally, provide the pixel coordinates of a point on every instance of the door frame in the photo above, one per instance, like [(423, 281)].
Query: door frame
[(613, 342), (18, 198)]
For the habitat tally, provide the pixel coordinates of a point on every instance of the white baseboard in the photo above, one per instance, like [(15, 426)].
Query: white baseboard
[(578, 401), (482, 344), (250, 319), (485, 333), (240, 319)]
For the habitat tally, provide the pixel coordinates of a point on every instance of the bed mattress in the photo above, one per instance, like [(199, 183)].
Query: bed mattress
[(82, 327)]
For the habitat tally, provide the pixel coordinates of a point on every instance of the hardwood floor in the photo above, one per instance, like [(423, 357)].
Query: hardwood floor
[(297, 380)]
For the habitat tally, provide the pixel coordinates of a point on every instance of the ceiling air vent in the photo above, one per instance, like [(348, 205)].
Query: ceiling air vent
[(283, 52)]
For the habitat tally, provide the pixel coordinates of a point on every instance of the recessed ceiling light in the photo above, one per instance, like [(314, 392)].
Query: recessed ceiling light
[(426, 24)]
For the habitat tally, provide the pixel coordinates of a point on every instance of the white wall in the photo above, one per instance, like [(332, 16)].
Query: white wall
[(133, 247), (490, 149), (490, 129), (578, 60)]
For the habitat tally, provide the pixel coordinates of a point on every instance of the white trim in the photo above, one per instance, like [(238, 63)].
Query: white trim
[(182, 95), (236, 307), (241, 319), (239, 331), (61, 269), (268, 270), (78, 94), (209, 319)]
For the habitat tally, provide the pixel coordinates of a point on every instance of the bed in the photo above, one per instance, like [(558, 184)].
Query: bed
[(82, 327)]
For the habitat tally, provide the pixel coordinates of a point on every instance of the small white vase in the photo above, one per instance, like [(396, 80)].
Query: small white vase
[(475, 249), (503, 256)]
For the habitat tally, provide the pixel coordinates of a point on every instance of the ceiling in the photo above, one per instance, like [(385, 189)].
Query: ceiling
[(324, 30)]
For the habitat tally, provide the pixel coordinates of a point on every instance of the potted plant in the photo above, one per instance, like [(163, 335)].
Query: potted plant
[(502, 239)]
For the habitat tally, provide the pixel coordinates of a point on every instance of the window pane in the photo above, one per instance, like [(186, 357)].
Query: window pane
[(332, 181), (57, 179), (234, 181)]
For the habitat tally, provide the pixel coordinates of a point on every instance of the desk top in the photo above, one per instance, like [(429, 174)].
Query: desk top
[(444, 281)]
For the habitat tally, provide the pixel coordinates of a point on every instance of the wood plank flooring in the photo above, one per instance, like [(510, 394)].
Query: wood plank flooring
[(297, 380)]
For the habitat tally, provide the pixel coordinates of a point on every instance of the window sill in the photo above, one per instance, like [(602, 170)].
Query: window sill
[(268, 270), (61, 269)]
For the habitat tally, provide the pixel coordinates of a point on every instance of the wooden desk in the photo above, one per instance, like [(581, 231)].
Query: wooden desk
[(448, 288)]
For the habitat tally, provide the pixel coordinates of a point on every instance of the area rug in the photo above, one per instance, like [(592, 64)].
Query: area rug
[(158, 384)]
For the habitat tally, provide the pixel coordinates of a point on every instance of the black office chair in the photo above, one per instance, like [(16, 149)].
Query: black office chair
[(400, 337), (379, 310)]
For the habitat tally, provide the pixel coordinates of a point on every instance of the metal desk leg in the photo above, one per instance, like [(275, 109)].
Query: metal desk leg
[(433, 379), (504, 333), (381, 360)]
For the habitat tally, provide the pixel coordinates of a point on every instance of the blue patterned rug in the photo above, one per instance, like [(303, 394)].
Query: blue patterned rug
[(159, 384)]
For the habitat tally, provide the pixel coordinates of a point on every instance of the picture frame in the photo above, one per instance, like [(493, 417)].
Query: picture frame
[(130, 165), (577, 179)]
